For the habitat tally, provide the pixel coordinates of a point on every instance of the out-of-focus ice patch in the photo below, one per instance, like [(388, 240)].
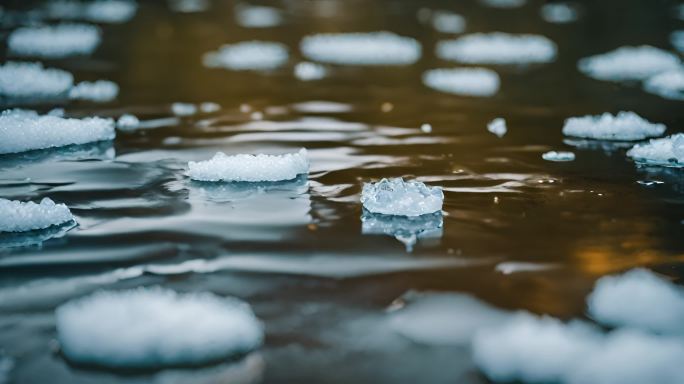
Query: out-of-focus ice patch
[(209, 107), (448, 22), (372, 48), (54, 41), (100, 91), (31, 80), (250, 55), (668, 85), (677, 40), (189, 6), (6, 365), (505, 4), (154, 327), (668, 151), (639, 299), (183, 109), (251, 168), (401, 198), (407, 230), (497, 127), (317, 106), (127, 123), (498, 48), (110, 11), (307, 71), (479, 82), (558, 156), (17, 216), (510, 267), (22, 130), (629, 63), (625, 126), (559, 13), (255, 16)]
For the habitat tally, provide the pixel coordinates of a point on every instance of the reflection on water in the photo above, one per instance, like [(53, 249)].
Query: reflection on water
[(406, 229)]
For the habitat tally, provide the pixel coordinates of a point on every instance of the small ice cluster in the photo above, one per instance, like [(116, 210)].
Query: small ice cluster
[(99, 11), (406, 229), (307, 71), (558, 156), (31, 80), (17, 216), (668, 85), (401, 198), (479, 82), (250, 168), (23, 130), (127, 123), (54, 42), (154, 327), (559, 13), (373, 48), (497, 127), (668, 151), (249, 55), (498, 48), (625, 126), (629, 64), (100, 91), (448, 22), (255, 16)]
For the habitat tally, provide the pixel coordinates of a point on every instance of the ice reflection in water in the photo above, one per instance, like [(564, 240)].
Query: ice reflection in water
[(408, 230)]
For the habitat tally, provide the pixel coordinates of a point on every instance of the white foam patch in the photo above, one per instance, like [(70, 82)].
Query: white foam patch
[(558, 156), (154, 327), (628, 63), (307, 71), (401, 198), (497, 127), (480, 82), (677, 40), (505, 4), (251, 168), (668, 85), (17, 216), (625, 126), (668, 151), (250, 55), (373, 48), (100, 91), (22, 130), (254, 16), (54, 41), (408, 230), (448, 22), (31, 80), (498, 48), (559, 13)]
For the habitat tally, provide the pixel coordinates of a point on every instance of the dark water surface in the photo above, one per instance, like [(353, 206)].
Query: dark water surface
[(295, 251)]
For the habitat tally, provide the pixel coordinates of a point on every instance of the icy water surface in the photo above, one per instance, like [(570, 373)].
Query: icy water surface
[(516, 231)]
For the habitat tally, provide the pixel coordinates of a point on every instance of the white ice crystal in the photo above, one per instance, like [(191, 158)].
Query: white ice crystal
[(155, 327), (668, 85), (503, 3), (249, 55), (54, 41), (31, 80), (629, 63), (127, 122), (497, 127), (668, 151), (372, 48), (448, 22), (625, 126), (255, 16), (307, 71), (498, 48), (559, 13), (480, 82), (251, 168), (17, 216), (401, 198), (100, 91), (22, 130), (408, 230), (558, 156)]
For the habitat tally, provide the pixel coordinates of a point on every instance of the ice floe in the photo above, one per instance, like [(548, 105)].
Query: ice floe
[(155, 327), (625, 126), (127, 122), (17, 216), (100, 11), (558, 156), (372, 48), (668, 85), (629, 63), (498, 48), (100, 91), (401, 198), (54, 41), (23, 130), (497, 127), (406, 229), (559, 13), (307, 71), (251, 168), (668, 151), (479, 82), (255, 16), (249, 55), (30, 80), (447, 22), (504, 3)]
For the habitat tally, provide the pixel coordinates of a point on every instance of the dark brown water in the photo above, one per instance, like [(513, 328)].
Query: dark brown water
[(295, 251)]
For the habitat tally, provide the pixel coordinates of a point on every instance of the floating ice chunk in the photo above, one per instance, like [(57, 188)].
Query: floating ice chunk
[(625, 126), (128, 123), (448, 22), (31, 80), (250, 55), (559, 13), (372, 48), (677, 40), (503, 3), (498, 48), (558, 156), (479, 82), (668, 85), (401, 198), (497, 127), (154, 327), (209, 107), (629, 63), (100, 91), (17, 216), (252, 168), (426, 128), (307, 71), (110, 11), (639, 299), (183, 109), (668, 151), (407, 230), (254, 16), (54, 41), (22, 130)]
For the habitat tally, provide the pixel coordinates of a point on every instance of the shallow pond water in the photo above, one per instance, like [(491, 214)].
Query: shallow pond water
[(298, 251)]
